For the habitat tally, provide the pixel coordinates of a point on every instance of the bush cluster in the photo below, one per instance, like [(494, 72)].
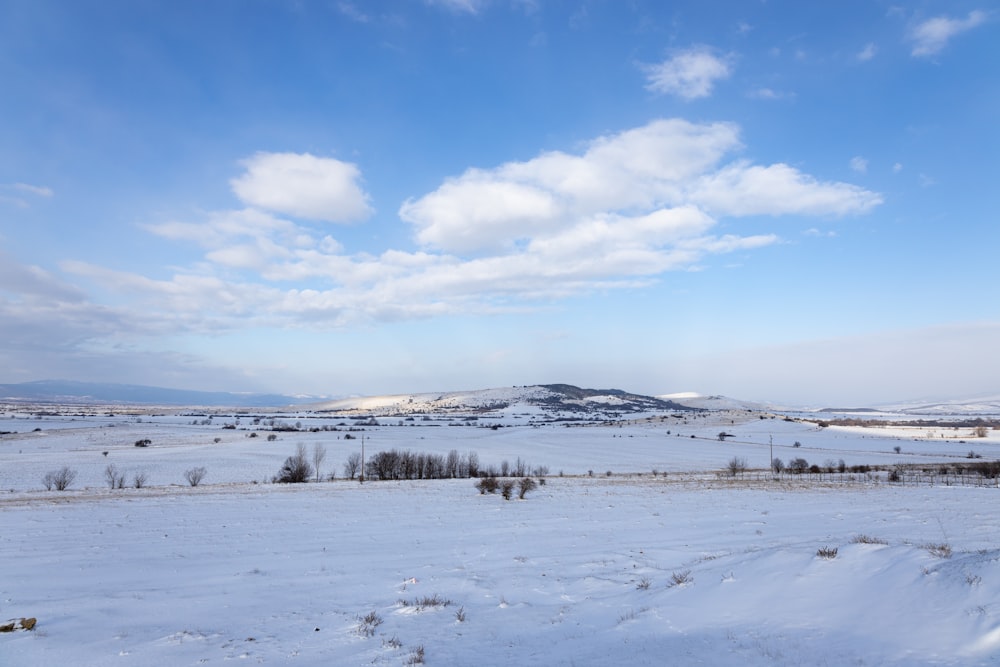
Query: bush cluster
[(506, 486)]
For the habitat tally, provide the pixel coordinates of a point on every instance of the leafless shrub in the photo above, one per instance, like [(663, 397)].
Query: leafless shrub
[(777, 465), (460, 615), (140, 479), (524, 485), (680, 579), (368, 624), (487, 485), (60, 480), (114, 478), (416, 656), (393, 642), (736, 466), (942, 550), (296, 468), (195, 475), (643, 584), (507, 488), (629, 615), (827, 552), (980, 431), (867, 539), (428, 601)]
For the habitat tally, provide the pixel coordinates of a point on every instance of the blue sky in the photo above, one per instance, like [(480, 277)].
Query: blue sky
[(772, 200)]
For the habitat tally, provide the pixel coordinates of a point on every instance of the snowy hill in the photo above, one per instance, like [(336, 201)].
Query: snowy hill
[(697, 401), (550, 398), (981, 405)]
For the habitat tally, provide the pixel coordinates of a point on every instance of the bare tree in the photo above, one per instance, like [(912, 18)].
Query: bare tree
[(114, 478), (60, 479), (736, 466), (319, 455), (352, 465), (195, 475), (140, 480)]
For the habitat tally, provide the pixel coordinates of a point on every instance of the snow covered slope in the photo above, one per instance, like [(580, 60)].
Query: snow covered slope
[(551, 397)]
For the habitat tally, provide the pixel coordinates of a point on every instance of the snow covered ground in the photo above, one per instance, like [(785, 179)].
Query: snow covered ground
[(687, 568)]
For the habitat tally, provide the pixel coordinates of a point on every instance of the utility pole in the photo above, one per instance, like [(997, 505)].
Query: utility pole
[(362, 477), (770, 464)]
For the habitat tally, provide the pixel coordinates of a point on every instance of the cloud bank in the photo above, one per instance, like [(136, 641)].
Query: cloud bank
[(622, 212)]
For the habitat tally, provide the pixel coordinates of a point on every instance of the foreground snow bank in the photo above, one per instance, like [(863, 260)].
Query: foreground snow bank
[(583, 572)]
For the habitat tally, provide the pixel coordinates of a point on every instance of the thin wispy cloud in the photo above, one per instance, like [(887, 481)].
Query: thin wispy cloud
[(350, 10), (18, 192), (867, 53), (769, 94), (467, 6), (688, 74), (932, 36), (38, 190), (859, 164)]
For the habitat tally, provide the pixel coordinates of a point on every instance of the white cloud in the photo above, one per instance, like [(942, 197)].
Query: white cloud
[(304, 186), (867, 53), (769, 94), (742, 189), (468, 6), (635, 169), (689, 73), (624, 210), (26, 188), (38, 190), (351, 11), (859, 164), (812, 231), (897, 167), (932, 35)]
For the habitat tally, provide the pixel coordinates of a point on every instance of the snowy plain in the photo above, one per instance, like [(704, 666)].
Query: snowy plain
[(685, 567)]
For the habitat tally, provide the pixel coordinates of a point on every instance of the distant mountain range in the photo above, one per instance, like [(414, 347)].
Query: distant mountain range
[(549, 397), (66, 392)]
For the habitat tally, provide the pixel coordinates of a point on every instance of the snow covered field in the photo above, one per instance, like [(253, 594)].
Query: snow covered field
[(687, 568)]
